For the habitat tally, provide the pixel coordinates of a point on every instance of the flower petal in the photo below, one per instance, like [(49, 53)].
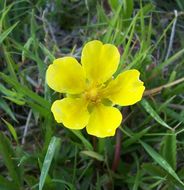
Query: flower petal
[(66, 75), (103, 121), (71, 112), (126, 89), (100, 61)]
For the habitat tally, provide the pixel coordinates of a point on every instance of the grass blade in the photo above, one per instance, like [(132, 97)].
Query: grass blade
[(134, 138), (169, 149), (11, 129), (7, 32), (154, 114), (112, 23), (167, 62), (4, 106), (26, 91), (93, 154), (83, 139), (47, 161), (6, 184), (161, 161), (8, 154)]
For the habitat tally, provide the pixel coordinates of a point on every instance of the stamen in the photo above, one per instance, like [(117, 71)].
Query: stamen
[(92, 95)]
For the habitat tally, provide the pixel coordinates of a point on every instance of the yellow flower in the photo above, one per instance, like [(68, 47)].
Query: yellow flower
[(90, 87)]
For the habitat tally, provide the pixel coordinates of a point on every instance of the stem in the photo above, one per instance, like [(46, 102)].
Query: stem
[(160, 88), (117, 151), (117, 154), (94, 139)]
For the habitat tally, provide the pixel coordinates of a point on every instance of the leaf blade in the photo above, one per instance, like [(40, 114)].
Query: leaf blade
[(161, 161), (47, 161), (8, 154), (153, 113)]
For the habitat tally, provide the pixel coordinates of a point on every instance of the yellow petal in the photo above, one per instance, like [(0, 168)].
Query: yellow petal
[(104, 121), (71, 112), (126, 89), (66, 75), (100, 61)]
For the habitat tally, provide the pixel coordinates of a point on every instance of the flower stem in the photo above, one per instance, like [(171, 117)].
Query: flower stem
[(117, 154), (94, 139), (117, 150)]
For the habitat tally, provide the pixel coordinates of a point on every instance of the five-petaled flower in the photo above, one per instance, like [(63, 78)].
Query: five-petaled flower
[(89, 88)]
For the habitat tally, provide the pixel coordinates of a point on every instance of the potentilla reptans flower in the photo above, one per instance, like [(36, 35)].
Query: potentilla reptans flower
[(89, 88)]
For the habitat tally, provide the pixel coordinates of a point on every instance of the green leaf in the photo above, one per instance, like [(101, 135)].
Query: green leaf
[(7, 109), (5, 11), (7, 32), (161, 161), (6, 184), (70, 185), (134, 138), (130, 33), (113, 4), (138, 176), (168, 61), (127, 8), (11, 65), (47, 161), (169, 149), (26, 46), (8, 156), (174, 115), (93, 154), (112, 24), (154, 170), (12, 95), (26, 91), (154, 114), (47, 52), (86, 143), (15, 100), (11, 129)]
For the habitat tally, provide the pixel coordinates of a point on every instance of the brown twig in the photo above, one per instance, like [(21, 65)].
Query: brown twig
[(160, 88)]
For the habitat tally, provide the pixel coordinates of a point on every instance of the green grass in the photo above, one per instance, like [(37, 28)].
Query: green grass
[(37, 153)]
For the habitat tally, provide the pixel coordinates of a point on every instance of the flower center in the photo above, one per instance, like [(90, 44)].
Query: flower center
[(92, 95)]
